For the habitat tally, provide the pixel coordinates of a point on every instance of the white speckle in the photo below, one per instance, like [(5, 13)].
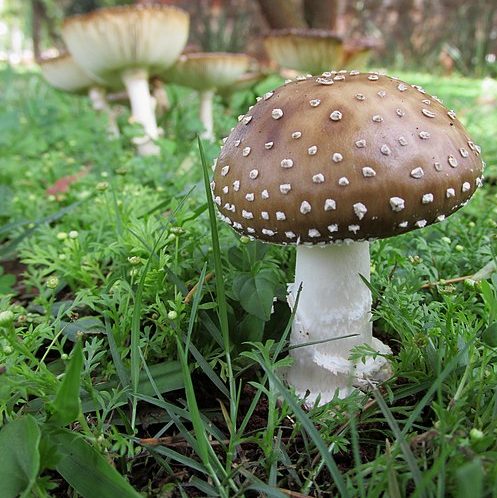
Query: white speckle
[(354, 228), (426, 102), (276, 113), (373, 77), (332, 228), (421, 223), (437, 166), (424, 135), (217, 200), (236, 185), (450, 193), (314, 102), (466, 186), (224, 140), (400, 112), (427, 198), (213, 185), (463, 152), (402, 141), (336, 116), (246, 120), (377, 118), (360, 96), (280, 216), (246, 151), (254, 173), (268, 145), (368, 172), (471, 145), (248, 215), (296, 134), (313, 233), (397, 204), (337, 157), (286, 163), (401, 87), (250, 230), (385, 150), (250, 196), (305, 207), (312, 150), (382, 93), (428, 113), (441, 217), (360, 144), (403, 224), (237, 225), (268, 95), (360, 210), (319, 178), (479, 182), (354, 72), (339, 77), (453, 161), (290, 235), (330, 205), (417, 173), (324, 81), (267, 232), (344, 181), (237, 143), (226, 189), (264, 215), (285, 188), (225, 170), (452, 114), (265, 194)]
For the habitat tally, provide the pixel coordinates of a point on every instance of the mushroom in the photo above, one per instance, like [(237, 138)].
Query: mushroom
[(316, 50), (126, 44), (207, 72), (64, 74), (329, 164)]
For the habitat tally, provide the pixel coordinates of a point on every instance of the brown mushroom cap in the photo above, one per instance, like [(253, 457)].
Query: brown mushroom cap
[(307, 50), (343, 156), (208, 70)]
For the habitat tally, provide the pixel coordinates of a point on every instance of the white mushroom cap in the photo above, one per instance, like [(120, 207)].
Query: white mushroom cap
[(361, 157), (108, 41), (64, 74), (209, 70)]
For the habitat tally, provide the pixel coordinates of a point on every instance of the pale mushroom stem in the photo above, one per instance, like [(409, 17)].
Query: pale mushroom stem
[(206, 101), (98, 98), (142, 108), (334, 302)]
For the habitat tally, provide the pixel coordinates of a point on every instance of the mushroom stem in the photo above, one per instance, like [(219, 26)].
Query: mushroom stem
[(334, 302), (136, 82), (206, 100), (98, 98)]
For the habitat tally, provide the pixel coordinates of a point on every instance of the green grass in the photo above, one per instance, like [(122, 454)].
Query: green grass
[(106, 369)]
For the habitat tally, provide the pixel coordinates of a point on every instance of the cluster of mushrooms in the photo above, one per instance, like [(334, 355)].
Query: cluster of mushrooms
[(327, 163)]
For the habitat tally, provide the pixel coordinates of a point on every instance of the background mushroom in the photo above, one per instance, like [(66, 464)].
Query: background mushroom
[(206, 73), (330, 163), (64, 74), (127, 44), (316, 50)]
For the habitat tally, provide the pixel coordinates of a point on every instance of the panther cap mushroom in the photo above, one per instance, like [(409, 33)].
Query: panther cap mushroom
[(336, 161)]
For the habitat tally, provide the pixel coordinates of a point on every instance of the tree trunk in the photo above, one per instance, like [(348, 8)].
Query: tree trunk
[(37, 17), (281, 14), (321, 14)]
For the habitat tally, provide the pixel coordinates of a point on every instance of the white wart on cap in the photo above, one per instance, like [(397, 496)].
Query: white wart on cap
[(367, 156)]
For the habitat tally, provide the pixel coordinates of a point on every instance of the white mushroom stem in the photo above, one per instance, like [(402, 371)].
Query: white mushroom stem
[(206, 101), (142, 108), (334, 302), (98, 98)]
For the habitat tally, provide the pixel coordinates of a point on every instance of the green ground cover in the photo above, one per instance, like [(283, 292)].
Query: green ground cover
[(99, 250)]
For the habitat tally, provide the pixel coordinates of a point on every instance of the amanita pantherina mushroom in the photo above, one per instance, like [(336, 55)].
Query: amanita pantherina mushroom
[(128, 44), (64, 74), (207, 72), (330, 163)]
